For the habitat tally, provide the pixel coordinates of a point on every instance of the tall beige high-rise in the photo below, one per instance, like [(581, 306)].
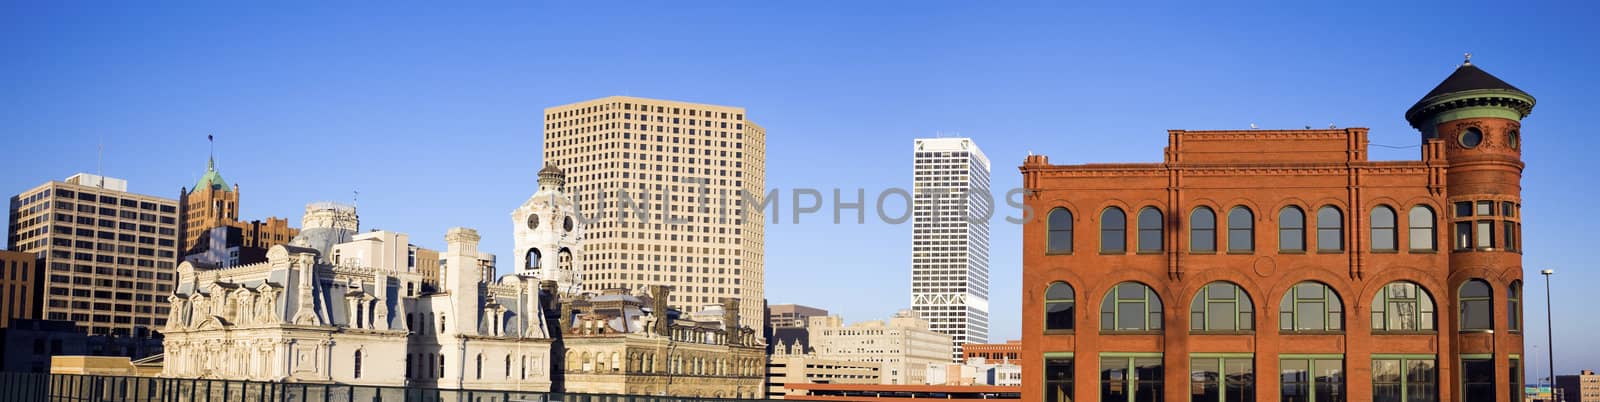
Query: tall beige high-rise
[(109, 254), (665, 186)]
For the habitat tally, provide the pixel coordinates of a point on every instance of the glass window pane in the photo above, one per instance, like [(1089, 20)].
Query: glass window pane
[(1150, 240), (1422, 234), (1221, 317), (1485, 208), (1130, 316), (1463, 209), (1130, 291), (1292, 240), (1060, 226), (1058, 380), (1059, 315), (1476, 288), (1058, 291), (1309, 316), (1485, 234)]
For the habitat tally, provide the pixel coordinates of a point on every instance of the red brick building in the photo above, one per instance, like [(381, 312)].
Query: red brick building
[(993, 352), (1268, 265)]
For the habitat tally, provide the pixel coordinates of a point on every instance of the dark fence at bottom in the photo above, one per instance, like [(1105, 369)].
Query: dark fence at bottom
[(96, 388)]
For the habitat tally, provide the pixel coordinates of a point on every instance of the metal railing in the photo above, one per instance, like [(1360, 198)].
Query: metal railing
[(99, 388)]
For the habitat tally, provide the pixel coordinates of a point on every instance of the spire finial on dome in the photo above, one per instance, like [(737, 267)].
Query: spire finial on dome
[(1468, 60)]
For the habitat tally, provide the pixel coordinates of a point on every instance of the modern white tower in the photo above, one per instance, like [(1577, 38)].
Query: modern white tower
[(548, 234), (950, 239)]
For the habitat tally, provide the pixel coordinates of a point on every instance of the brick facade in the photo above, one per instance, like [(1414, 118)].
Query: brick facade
[(1271, 255)]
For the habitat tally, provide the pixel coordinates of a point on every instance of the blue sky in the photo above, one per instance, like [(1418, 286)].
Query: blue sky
[(433, 114)]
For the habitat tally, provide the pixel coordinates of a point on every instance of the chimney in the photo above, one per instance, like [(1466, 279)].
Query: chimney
[(461, 280), (658, 306), (730, 314)]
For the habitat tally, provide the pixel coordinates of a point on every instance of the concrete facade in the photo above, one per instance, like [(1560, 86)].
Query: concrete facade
[(1285, 263), (904, 345), (950, 246), (1583, 387), (792, 315), (625, 154), (109, 255)]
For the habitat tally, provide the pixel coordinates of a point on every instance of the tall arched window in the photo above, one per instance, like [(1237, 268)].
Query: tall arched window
[(1130, 306), (1059, 306), (1059, 223), (479, 372), (1420, 220), (1113, 231), (1202, 230), (533, 260), (1291, 229), (1150, 230), (1384, 231), (1330, 229), (1514, 306), (1477, 306), (1221, 306), (357, 360), (1241, 230), (1402, 306), (508, 366), (1311, 307)]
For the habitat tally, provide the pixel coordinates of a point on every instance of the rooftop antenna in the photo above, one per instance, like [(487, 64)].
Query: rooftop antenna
[(99, 162), (355, 198)]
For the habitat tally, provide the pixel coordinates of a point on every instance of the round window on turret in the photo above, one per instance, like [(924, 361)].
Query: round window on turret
[(566, 224), (533, 221), (1471, 137), (1515, 139)]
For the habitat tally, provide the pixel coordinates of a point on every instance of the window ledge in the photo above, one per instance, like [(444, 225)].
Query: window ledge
[(1124, 252), (1212, 252), (1476, 331), (1283, 332), (1386, 251), (1203, 332), (1424, 251), (1296, 252), (1130, 332), (1058, 253), (1156, 252), (1060, 332), (1232, 252), (1382, 332), (1330, 252)]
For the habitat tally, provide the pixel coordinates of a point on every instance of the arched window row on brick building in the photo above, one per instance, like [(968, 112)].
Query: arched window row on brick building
[(1238, 230), (1307, 307)]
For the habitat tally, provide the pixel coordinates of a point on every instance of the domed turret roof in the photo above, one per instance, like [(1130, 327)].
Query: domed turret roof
[(1468, 77), (1469, 87), (212, 179)]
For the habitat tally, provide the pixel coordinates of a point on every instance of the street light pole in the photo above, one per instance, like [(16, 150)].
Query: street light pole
[(1550, 335)]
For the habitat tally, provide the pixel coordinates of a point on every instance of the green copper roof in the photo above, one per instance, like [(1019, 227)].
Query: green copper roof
[(211, 179)]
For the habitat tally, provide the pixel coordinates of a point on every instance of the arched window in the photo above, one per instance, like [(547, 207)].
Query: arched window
[(1202, 230), (1150, 230), (1477, 306), (1514, 306), (1221, 306), (1113, 231), (1421, 226), (1291, 229), (1384, 230), (357, 360), (1241, 230), (508, 366), (479, 372), (1059, 223), (1131, 306), (1402, 306), (616, 361), (1330, 229), (441, 366), (1059, 306), (1312, 307), (564, 260), (533, 259)]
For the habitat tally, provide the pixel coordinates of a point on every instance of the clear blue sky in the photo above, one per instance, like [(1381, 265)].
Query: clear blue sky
[(433, 114)]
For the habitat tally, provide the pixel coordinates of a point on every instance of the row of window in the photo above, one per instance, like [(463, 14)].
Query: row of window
[(1138, 377), (1400, 306), (1240, 231)]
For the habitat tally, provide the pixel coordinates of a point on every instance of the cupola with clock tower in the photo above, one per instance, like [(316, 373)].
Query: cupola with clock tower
[(549, 236)]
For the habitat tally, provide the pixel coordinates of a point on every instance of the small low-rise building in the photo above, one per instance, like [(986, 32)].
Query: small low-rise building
[(904, 345)]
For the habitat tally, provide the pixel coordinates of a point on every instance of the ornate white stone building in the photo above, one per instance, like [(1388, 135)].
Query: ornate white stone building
[(361, 316), (549, 237)]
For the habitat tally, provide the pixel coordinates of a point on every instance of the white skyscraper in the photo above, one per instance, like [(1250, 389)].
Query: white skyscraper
[(950, 239)]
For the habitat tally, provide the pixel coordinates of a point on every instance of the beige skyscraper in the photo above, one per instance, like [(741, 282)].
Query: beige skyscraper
[(108, 253), (665, 186)]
